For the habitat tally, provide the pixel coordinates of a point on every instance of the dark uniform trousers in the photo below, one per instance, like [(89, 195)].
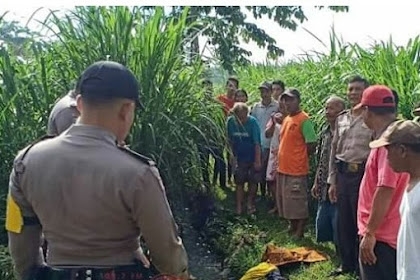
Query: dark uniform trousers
[(348, 184), (385, 267)]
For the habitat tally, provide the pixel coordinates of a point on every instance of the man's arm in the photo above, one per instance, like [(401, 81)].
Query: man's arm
[(24, 230), (269, 130), (332, 166), (380, 205), (154, 218), (309, 134), (256, 136)]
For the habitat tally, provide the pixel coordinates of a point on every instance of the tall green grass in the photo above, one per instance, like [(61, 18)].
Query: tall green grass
[(318, 76), (176, 116)]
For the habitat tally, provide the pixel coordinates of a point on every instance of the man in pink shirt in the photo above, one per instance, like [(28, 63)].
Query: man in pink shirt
[(381, 190)]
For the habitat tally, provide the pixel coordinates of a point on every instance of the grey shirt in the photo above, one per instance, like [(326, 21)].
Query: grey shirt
[(93, 200), (63, 115)]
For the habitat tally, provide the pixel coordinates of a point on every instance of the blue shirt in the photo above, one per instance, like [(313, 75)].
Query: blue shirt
[(243, 138)]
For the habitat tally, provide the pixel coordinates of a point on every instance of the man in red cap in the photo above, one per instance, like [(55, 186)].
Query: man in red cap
[(381, 190)]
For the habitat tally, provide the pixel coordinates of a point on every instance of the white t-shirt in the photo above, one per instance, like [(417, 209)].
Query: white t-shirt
[(408, 244), (263, 115)]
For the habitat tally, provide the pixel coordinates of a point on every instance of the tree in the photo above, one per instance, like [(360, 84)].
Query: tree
[(224, 26), (14, 35)]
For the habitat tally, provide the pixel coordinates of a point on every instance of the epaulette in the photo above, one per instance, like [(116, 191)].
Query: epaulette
[(137, 156), (45, 137), (18, 165)]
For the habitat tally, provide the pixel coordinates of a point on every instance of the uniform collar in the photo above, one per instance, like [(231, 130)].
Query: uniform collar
[(91, 131)]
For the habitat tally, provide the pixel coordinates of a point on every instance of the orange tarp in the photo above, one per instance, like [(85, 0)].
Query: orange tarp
[(280, 256)]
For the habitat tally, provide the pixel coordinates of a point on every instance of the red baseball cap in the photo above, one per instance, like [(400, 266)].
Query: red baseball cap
[(378, 96)]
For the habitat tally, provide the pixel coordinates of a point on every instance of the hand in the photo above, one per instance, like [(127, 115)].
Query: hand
[(315, 191), (257, 165), (139, 255), (332, 193), (278, 118), (366, 252)]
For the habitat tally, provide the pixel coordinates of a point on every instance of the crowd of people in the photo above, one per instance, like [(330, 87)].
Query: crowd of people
[(365, 171), (82, 190)]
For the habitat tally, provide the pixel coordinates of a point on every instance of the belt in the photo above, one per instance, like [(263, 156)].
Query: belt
[(128, 272), (348, 167)]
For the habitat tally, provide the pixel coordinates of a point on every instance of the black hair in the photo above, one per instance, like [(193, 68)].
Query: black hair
[(280, 83), (359, 79), (234, 79), (98, 101), (396, 99), (243, 91), (382, 110), (414, 147)]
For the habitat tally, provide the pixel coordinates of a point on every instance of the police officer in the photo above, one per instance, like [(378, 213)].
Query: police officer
[(63, 114), (90, 197)]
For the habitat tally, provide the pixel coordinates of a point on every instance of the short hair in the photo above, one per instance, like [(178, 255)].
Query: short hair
[(280, 83), (234, 79), (382, 110), (414, 148), (239, 107), (243, 91), (338, 99), (95, 101), (359, 79), (396, 99)]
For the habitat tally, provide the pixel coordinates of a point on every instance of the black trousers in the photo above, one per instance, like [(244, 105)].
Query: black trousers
[(219, 167), (385, 267), (348, 184)]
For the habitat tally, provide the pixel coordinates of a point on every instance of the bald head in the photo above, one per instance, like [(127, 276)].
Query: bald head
[(333, 106)]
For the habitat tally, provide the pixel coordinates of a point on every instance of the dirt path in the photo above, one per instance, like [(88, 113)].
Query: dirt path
[(203, 263)]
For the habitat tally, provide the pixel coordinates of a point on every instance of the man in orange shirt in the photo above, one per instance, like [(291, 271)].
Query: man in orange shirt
[(227, 100), (298, 141)]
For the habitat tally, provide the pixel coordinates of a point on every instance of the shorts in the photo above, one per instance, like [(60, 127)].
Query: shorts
[(292, 196), (246, 173)]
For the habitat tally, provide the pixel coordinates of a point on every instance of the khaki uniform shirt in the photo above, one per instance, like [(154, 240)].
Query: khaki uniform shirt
[(63, 115), (93, 200), (350, 142)]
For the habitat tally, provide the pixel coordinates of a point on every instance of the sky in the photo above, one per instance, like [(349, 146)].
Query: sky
[(362, 24)]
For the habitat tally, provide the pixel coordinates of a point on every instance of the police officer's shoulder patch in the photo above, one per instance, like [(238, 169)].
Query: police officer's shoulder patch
[(138, 156)]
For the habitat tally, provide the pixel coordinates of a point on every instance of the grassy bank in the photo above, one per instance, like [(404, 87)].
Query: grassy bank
[(242, 240)]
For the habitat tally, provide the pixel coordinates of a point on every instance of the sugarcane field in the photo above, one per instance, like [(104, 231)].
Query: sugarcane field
[(209, 142)]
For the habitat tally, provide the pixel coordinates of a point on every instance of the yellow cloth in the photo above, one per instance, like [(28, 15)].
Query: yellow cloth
[(259, 271), (280, 256), (14, 220)]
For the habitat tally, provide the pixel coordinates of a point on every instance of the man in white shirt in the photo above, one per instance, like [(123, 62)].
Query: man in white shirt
[(262, 111), (402, 140)]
